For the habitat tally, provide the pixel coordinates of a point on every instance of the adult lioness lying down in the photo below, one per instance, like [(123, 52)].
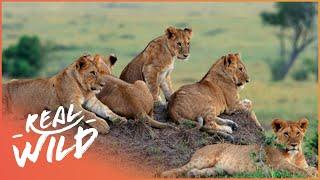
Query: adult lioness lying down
[(215, 93), (77, 84), (286, 154)]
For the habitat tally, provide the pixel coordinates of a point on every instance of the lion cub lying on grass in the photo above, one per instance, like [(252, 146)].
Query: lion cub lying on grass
[(215, 93), (132, 101), (231, 158), (77, 84)]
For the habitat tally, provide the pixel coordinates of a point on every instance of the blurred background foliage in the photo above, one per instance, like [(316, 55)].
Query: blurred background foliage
[(278, 43)]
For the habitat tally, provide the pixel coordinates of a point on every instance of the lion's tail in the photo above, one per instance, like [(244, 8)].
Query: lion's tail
[(154, 123)]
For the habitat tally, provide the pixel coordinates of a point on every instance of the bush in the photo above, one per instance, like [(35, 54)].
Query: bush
[(276, 68), (23, 59), (307, 68), (300, 75)]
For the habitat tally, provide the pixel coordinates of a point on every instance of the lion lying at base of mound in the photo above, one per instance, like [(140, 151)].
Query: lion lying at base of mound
[(286, 155)]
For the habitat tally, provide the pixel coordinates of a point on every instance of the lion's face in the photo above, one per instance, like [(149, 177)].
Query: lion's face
[(91, 72), (179, 41), (236, 70), (290, 134)]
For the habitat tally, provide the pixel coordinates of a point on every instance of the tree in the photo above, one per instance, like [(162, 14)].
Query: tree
[(296, 23), (24, 58)]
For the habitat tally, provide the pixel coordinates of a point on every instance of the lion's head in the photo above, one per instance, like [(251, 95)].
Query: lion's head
[(290, 134), (179, 41), (91, 71), (231, 69)]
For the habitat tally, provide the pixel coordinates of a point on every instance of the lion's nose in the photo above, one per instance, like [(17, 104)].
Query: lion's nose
[(294, 144)]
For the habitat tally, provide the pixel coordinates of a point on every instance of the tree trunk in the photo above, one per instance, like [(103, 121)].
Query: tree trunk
[(292, 58), (282, 45)]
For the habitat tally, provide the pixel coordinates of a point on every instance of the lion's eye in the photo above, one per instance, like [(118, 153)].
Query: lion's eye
[(240, 68), (188, 43), (179, 44), (286, 134), (93, 73), (298, 133)]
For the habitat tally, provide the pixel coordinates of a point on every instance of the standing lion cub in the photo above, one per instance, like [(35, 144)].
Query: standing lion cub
[(215, 93), (156, 62), (286, 154), (77, 84)]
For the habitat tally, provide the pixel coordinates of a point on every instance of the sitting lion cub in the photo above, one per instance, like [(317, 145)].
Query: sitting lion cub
[(77, 84), (231, 158), (215, 93), (155, 63), (129, 100)]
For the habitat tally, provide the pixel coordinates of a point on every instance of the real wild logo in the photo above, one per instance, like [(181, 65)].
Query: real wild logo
[(45, 124)]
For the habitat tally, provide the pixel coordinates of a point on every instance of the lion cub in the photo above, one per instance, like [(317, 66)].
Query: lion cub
[(132, 101), (156, 62), (77, 84), (231, 158), (215, 93)]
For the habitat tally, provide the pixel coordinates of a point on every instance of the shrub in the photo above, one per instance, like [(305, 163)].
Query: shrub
[(306, 69), (276, 68), (300, 75), (23, 59)]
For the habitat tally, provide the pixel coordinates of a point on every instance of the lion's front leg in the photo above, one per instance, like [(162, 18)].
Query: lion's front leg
[(166, 87), (96, 106), (151, 76), (243, 105), (100, 124), (285, 165)]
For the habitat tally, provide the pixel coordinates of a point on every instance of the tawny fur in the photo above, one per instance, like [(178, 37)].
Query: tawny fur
[(215, 93), (133, 101), (156, 62), (230, 158), (77, 84)]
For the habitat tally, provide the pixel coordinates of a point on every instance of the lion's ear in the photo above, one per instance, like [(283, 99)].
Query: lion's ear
[(303, 124), (188, 31), (278, 124), (171, 32), (228, 60), (238, 55), (112, 59), (82, 62)]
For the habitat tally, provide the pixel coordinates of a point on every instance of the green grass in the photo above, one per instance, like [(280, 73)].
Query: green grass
[(125, 29), (263, 174)]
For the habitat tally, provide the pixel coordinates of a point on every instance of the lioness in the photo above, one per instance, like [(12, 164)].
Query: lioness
[(132, 101), (77, 84), (215, 93), (156, 62), (239, 158)]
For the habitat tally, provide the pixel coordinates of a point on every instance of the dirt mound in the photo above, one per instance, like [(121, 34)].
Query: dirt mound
[(161, 149)]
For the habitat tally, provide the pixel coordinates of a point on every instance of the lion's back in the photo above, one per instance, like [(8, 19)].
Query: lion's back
[(133, 71)]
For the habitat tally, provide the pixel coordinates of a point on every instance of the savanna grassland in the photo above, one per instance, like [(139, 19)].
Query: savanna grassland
[(125, 29)]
